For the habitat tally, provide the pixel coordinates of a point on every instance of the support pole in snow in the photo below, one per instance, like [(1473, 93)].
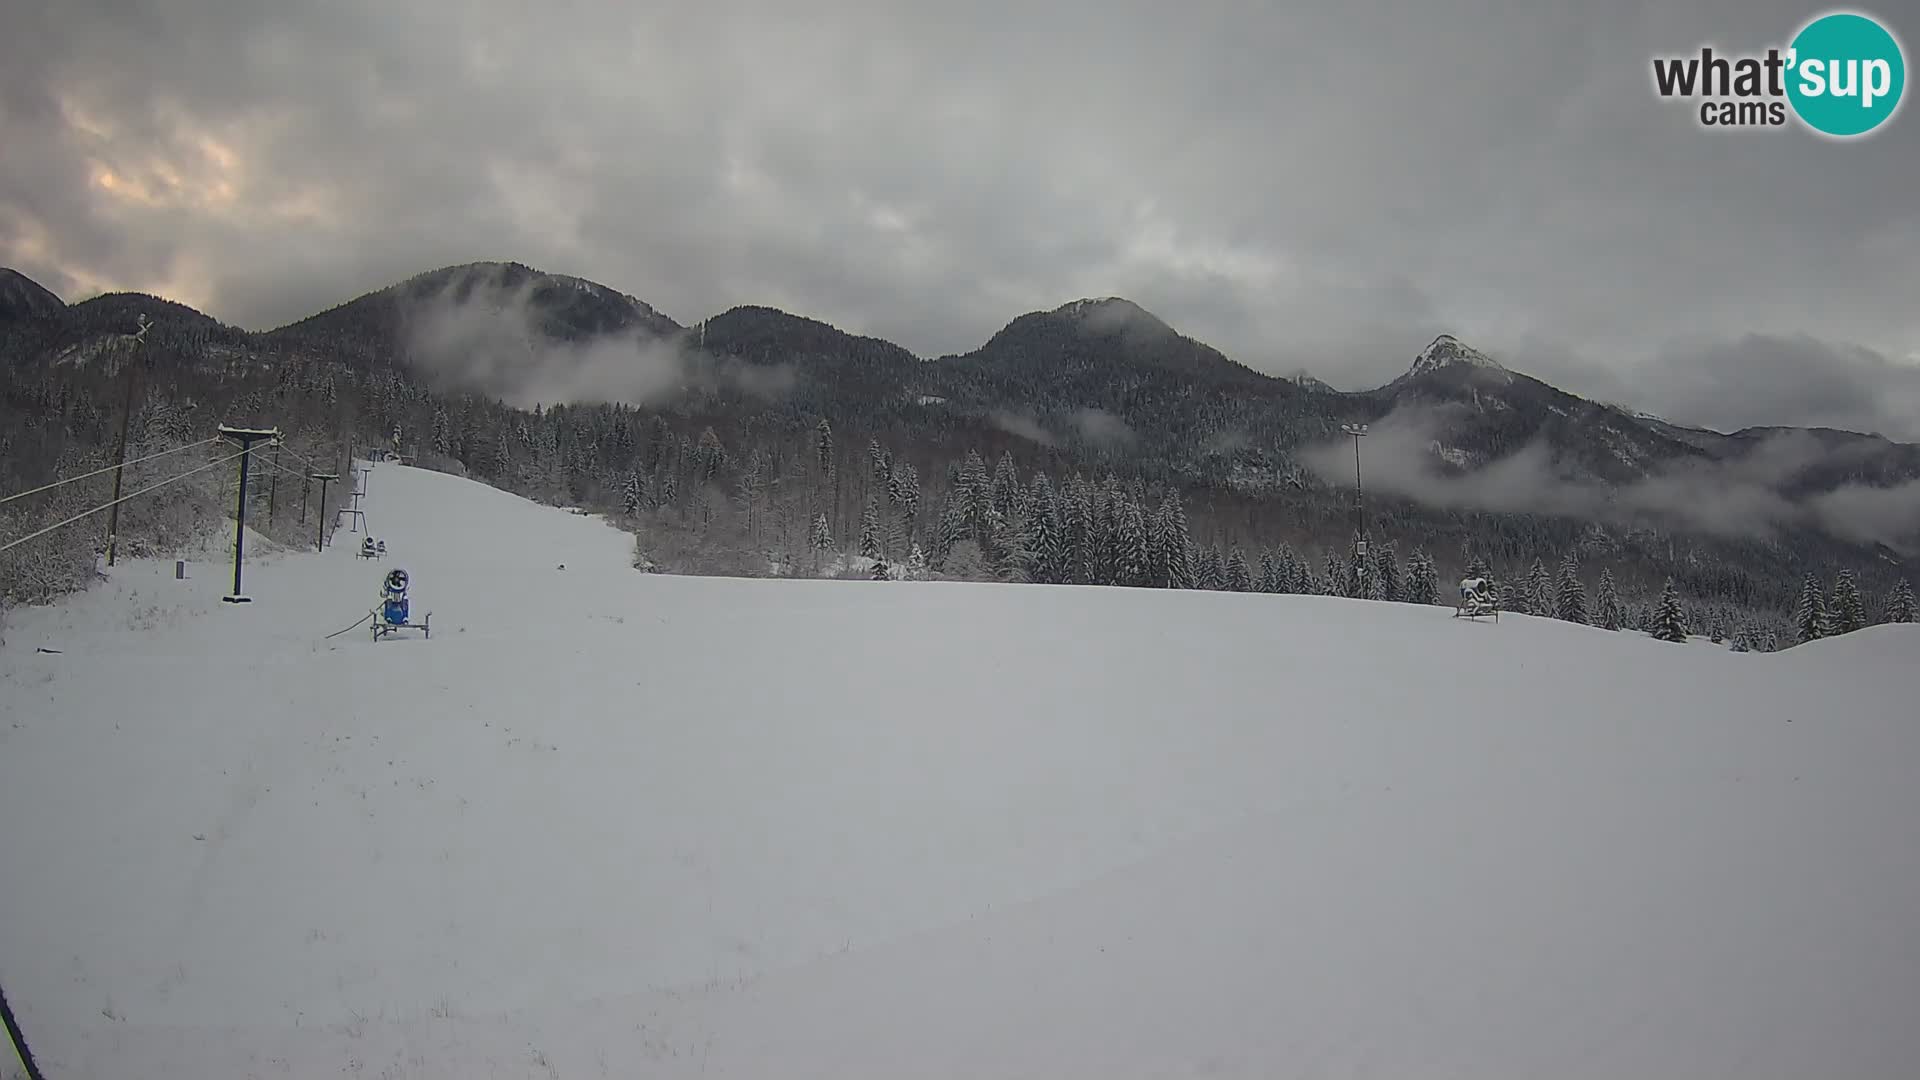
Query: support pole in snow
[(273, 482), (120, 444), (1358, 431), (325, 479), (19, 1039), (246, 437)]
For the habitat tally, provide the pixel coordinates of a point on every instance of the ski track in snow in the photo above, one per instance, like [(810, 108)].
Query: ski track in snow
[(606, 823)]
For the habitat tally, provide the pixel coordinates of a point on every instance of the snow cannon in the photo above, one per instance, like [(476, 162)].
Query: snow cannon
[(393, 608), (1476, 598), (393, 598)]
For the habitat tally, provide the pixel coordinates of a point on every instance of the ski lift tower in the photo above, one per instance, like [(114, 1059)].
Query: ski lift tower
[(1358, 431), (246, 437)]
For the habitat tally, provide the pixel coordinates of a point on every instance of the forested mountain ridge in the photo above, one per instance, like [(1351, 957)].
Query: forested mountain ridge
[(715, 429)]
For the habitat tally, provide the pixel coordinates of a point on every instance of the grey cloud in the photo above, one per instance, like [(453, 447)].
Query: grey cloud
[(490, 340), (1736, 497), (1100, 427), (1323, 189), (1023, 425)]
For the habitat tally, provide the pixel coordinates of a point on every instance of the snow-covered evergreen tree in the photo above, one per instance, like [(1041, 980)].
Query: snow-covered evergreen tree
[(1004, 491), (1239, 575), (881, 571), (1539, 592), (1669, 620), (1900, 603), (1810, 620), (1848, 612), (1334, 575), (1042, 540), (1384, 583), (1423, 580), (1571, 604), (632, 495), (1130, 560), (1612, 616), (820, 539), (870, 531), (916, 563), (1269, 572), (823, 446), (1293, 572), (1211, 570), (1171, 567)]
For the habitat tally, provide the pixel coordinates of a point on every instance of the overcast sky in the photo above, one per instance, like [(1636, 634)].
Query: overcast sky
[(1319, 190)]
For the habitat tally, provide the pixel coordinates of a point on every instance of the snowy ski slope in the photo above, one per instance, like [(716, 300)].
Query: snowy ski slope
[(609, 824)]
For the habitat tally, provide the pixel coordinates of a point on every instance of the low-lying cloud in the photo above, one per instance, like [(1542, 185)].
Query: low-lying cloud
[(1743, 496), (491, 341), (1023, 425), (1101, 428)]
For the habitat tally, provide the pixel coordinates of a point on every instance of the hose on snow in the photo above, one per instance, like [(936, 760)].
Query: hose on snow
[(362, 621)]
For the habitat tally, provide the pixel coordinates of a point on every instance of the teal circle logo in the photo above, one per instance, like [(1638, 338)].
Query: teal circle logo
[(1845, 74)]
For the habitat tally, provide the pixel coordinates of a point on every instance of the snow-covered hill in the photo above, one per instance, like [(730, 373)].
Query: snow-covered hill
[(610, 824)]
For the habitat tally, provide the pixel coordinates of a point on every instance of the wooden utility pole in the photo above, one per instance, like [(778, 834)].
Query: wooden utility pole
[(120, 444), (246, 437)]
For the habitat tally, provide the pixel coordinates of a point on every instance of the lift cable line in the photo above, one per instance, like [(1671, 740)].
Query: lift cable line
[(11, 544), (104, 469)]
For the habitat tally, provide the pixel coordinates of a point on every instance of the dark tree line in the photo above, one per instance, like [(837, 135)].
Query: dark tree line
[(868, 457)]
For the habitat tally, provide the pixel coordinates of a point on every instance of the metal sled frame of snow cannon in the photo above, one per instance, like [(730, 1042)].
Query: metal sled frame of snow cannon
[(381, 627), (1475, 611)]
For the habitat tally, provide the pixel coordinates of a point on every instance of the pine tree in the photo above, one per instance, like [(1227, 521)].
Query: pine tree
[(1211, 571), (632, 495), (1669, 621), (1005, 488), (820, 540), (1239, 576), (1385, 581), (916, 564), (1477, 568), (973, 490), (881, 571), (1538, 596), (1076, 527), (1171, 568), (1611, 614), (904, 491), (870, 532), (1849, 612), (1571, 604), (1423, 580), (1269, 572), (1293, 572), (1741, 639), (1129, 544), (823, 446), (1900, 603), (1004, 553), (1040, 536), (1810, 621), (1335, 577)]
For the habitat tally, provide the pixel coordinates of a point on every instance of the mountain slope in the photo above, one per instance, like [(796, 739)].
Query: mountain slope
[(609, 823), (21, 297), (505, 296)]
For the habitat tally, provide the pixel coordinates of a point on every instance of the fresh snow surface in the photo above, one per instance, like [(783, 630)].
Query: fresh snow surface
[(613, 824)]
